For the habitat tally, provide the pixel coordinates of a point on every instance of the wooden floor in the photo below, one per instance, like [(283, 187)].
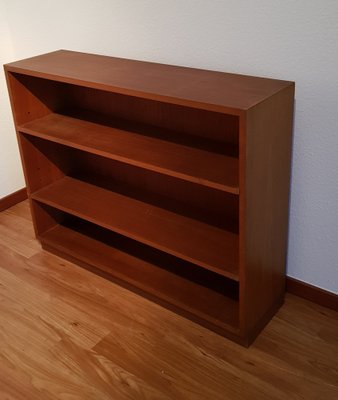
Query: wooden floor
[(68, 334)]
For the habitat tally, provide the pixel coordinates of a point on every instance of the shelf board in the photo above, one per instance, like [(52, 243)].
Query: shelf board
[(176, 292), (217, 91), (202, 244), (151, 152)]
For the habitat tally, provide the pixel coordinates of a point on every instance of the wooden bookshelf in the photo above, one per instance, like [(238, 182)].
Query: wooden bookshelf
[(171, 181)]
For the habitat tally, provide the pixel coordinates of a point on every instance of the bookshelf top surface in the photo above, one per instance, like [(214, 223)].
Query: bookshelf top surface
[(217, 91)]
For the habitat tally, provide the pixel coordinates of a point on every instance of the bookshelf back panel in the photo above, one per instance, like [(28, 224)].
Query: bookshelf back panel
[(185, 120)]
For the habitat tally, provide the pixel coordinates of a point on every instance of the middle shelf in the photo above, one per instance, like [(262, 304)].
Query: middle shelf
[(142, 145), (204, 245)]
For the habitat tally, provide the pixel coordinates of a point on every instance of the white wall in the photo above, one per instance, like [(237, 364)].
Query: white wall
[(289, 39), (11, 178)]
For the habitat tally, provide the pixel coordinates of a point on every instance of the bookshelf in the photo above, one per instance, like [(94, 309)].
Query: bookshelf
[(171, 181)]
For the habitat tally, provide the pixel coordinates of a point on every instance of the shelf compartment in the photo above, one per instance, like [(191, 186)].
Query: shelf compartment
[(191, 291), (202, 244), (50, 161), (151, 152)]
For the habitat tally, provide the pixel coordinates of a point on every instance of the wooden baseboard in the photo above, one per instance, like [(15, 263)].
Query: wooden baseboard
[(13, 198), (312, 293)]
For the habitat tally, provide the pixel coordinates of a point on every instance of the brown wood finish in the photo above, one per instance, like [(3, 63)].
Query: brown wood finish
[(43, 164), (32, 100), (191, 163), (195, 165), (180, 286), (209, 90), (215, 207), (293, 286), (312, 293), (12, 199), (45, 221), (41, 167), (267, 180), (199, 202), (185, 121), (68, 333), (191, 240), (29, 103), (16, 231)]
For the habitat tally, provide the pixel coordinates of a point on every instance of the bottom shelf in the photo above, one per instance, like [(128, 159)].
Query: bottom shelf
[(200, 295)]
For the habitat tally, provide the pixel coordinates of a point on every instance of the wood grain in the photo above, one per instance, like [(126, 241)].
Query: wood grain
[(129, 146), (181, 286), (68, 333), (205, 245), (16, 234), (78, 116), (266, 168), (185, 121), (216, 91), (196, 201)]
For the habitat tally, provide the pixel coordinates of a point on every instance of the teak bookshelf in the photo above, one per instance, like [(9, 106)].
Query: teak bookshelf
[(171, 181)]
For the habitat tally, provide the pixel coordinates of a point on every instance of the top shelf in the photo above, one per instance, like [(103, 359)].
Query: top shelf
[(150, 152), (209, 90)]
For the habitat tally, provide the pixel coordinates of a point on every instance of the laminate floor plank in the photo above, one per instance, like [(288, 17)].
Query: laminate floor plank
[(16, 233), (66, 333), (67, 371), (43, 308), (20, 210), (15, 384), (162, 360)]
